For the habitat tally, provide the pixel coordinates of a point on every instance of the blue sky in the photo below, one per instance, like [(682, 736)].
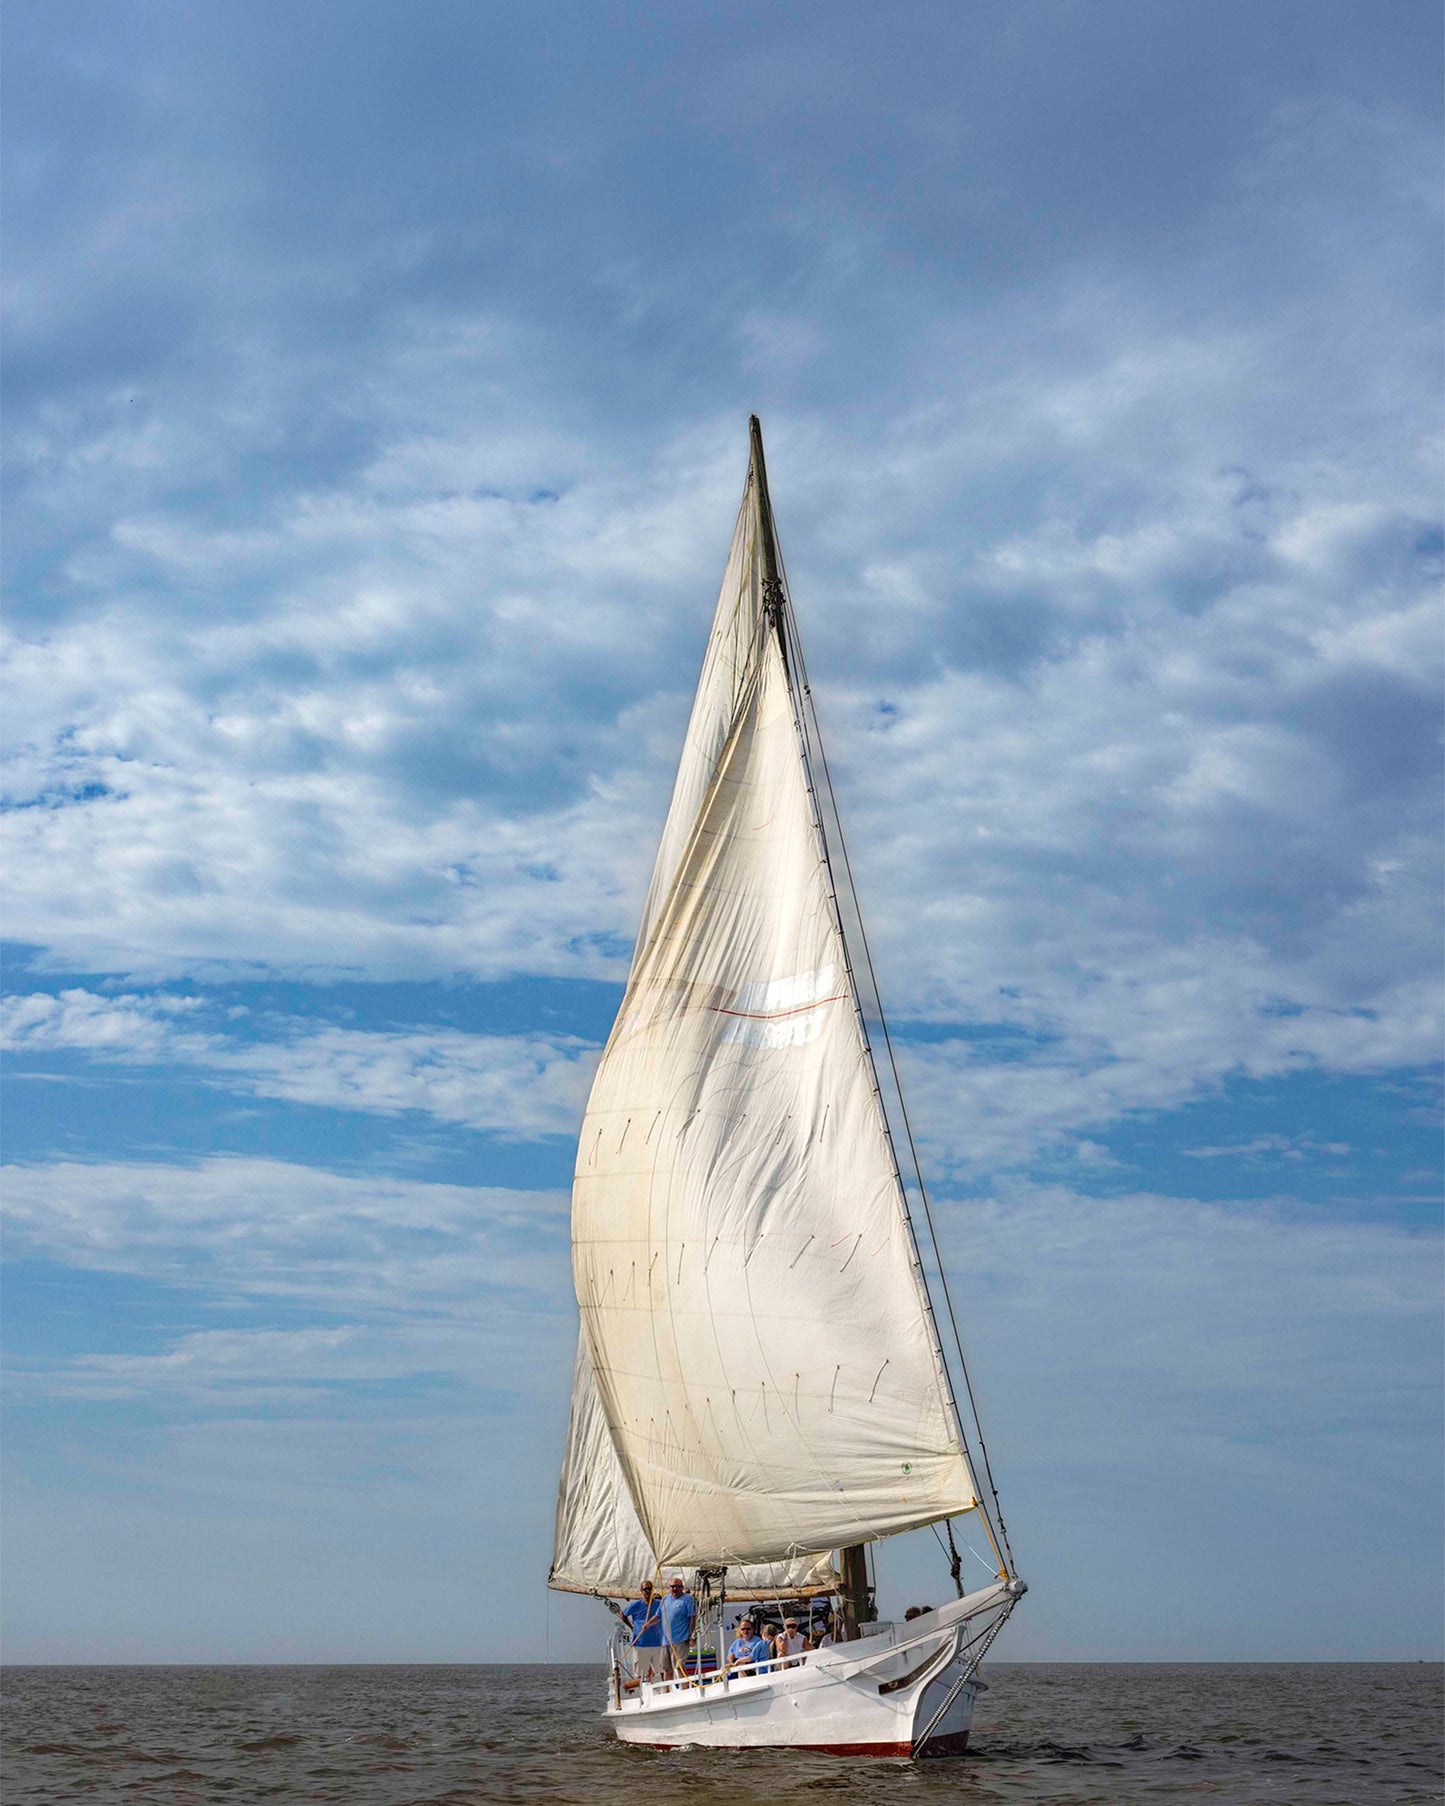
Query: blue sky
[(376, 394)]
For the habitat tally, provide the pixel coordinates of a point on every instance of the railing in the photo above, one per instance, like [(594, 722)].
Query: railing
[(734, 1671), (847, 1657)]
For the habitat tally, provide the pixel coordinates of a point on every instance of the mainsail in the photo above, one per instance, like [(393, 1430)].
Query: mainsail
[(759, 1377), (602, 1548)]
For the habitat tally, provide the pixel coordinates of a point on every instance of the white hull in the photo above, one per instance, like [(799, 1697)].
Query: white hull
[(906, 1690)]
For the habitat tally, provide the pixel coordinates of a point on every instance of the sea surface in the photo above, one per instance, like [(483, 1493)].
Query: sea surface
[(1046, 1733)]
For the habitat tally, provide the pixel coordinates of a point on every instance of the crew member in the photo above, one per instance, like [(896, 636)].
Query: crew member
[(644, 1615), (679, 1620)]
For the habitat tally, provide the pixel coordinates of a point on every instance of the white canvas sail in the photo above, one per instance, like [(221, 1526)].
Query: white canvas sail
[(757, 1326), (726, 668), (602, 1548)]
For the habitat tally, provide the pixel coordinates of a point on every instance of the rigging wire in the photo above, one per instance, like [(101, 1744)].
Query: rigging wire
[(982, 1560), (796, 651)]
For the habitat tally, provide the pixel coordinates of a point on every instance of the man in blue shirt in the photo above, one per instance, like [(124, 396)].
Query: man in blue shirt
[(679, 1619), (645, 1617)]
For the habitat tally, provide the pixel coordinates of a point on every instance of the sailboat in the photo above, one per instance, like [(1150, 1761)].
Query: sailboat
[(762, 1388)]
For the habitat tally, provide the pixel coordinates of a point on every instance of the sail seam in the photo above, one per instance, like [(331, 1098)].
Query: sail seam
[(773, 1015)]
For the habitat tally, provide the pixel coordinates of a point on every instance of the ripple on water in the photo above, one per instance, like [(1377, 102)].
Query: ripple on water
[(1046, 1735)]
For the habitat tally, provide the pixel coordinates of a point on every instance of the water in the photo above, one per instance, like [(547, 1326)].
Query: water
[(1047, 1734)]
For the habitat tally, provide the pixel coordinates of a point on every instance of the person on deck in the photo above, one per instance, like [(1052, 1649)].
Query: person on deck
[(679, 1619), (644, 1615), (789, 1641), (742, 1645), (750, 1645)]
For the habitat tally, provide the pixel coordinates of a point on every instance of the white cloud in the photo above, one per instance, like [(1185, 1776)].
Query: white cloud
[(1287, 1147), (128, 1027), (1142, 571), (1144, 831), (517, 1086), (1152, 1052), (232, 1366), (250, 1229)]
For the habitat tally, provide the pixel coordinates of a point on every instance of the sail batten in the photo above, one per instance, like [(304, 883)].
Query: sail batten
[(756, 1335)]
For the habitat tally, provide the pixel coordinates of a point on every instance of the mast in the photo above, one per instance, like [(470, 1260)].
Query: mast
[(857, 1595), (773, 593)]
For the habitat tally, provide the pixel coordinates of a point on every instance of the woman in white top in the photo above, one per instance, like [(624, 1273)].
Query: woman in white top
[(789, 1640)]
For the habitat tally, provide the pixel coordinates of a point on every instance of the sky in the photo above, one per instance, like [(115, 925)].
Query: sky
[(376, 395)]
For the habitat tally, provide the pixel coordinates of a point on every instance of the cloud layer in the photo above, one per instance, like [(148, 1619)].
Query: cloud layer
[(1126, 641), (375, 391), (519, 1087)]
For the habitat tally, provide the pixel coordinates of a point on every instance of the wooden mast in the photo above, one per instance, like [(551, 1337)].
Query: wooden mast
[(765, 505), (768, 541)]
